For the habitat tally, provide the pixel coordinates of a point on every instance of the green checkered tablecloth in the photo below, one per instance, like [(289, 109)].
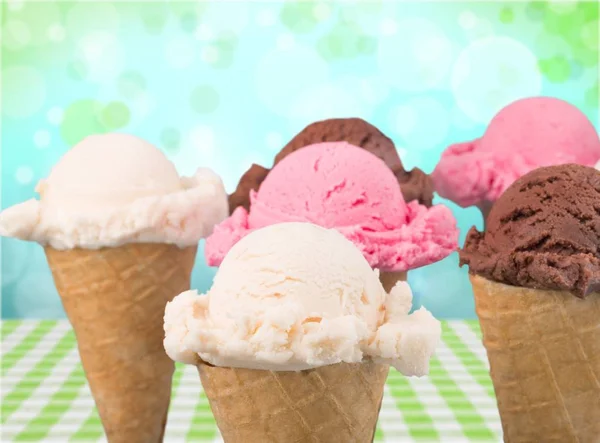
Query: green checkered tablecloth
[(45, 396)]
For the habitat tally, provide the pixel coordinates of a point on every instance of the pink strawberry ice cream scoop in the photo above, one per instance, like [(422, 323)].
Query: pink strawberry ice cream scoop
[(525, 135), (352, 191)]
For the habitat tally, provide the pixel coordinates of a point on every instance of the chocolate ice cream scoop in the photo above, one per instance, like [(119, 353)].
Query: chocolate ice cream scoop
[(415, 184), (542, 233), (251, 180)]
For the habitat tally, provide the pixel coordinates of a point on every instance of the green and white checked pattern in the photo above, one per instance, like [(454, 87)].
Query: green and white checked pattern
[(45, 396)]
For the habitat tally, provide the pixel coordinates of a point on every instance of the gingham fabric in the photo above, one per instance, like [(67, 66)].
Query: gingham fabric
[(45, 396)]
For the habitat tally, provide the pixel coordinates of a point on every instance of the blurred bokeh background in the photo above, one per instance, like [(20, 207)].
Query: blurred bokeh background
[(225, 84)]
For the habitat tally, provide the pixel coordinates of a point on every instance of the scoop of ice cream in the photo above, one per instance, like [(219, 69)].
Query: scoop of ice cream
[(295, 296), (113, 189), (527, 134), (250, 181), (543, 232), (349, 189), (415, 184)]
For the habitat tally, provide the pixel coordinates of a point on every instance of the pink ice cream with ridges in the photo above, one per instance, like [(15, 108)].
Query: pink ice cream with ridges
[(525, 135), (352, 191)]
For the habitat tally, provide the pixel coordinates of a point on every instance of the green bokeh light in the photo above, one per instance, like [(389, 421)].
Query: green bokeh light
[(592, 96), (188, 14), (90, 17), (88, 116), (131, 84), (506, 15), (556, 69), (299, 16), (23, 91), (154, 16), (170, 139), (32, 18), (357, 10), (222, 51), (589, 34), (576, 24), (346, 40), (114, 115), (204, 99), (572, 25)]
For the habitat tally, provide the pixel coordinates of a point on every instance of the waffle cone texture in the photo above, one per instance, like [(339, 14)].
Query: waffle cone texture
[(330, 404), (544, 352), (115, 300)]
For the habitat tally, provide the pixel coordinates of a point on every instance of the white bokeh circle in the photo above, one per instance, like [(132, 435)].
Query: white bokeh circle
[(207, 146), (467, 20), (281, 73), (102, 55), (481, 28), (266, 17), (285, 41), (274, 141), (56, 32), (91, 17), (388, 26), (234, 24), (491, 73), (322, 11), (202, 138), (24, 91), (55, 115), (24, 175), (323, 101), (422, 122), (209, 54), (371, 90), (415, 58), (142, 105), (204, 33), (15, 5), (41, 139), (180, 51), (562, 7), (402, 152)]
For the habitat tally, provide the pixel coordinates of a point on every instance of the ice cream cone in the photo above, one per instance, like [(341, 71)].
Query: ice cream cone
[(336, 403), (389, 279), (115, 300), (544, 352)]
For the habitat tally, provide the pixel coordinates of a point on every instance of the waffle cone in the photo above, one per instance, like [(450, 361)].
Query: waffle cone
[(389, 279), (115, 299), (544, 352), (336, 403)]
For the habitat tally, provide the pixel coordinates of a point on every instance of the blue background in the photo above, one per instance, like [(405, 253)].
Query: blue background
[(224, 85)]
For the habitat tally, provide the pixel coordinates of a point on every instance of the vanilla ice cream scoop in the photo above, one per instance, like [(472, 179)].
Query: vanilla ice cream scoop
[(294, 296), (113, 189)]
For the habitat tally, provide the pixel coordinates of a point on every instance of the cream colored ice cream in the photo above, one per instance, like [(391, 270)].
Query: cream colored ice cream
[(294, 296), (114, 189)]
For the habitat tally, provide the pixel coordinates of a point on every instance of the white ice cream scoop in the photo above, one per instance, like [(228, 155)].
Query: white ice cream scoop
[(295, 296), (113, 189)]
